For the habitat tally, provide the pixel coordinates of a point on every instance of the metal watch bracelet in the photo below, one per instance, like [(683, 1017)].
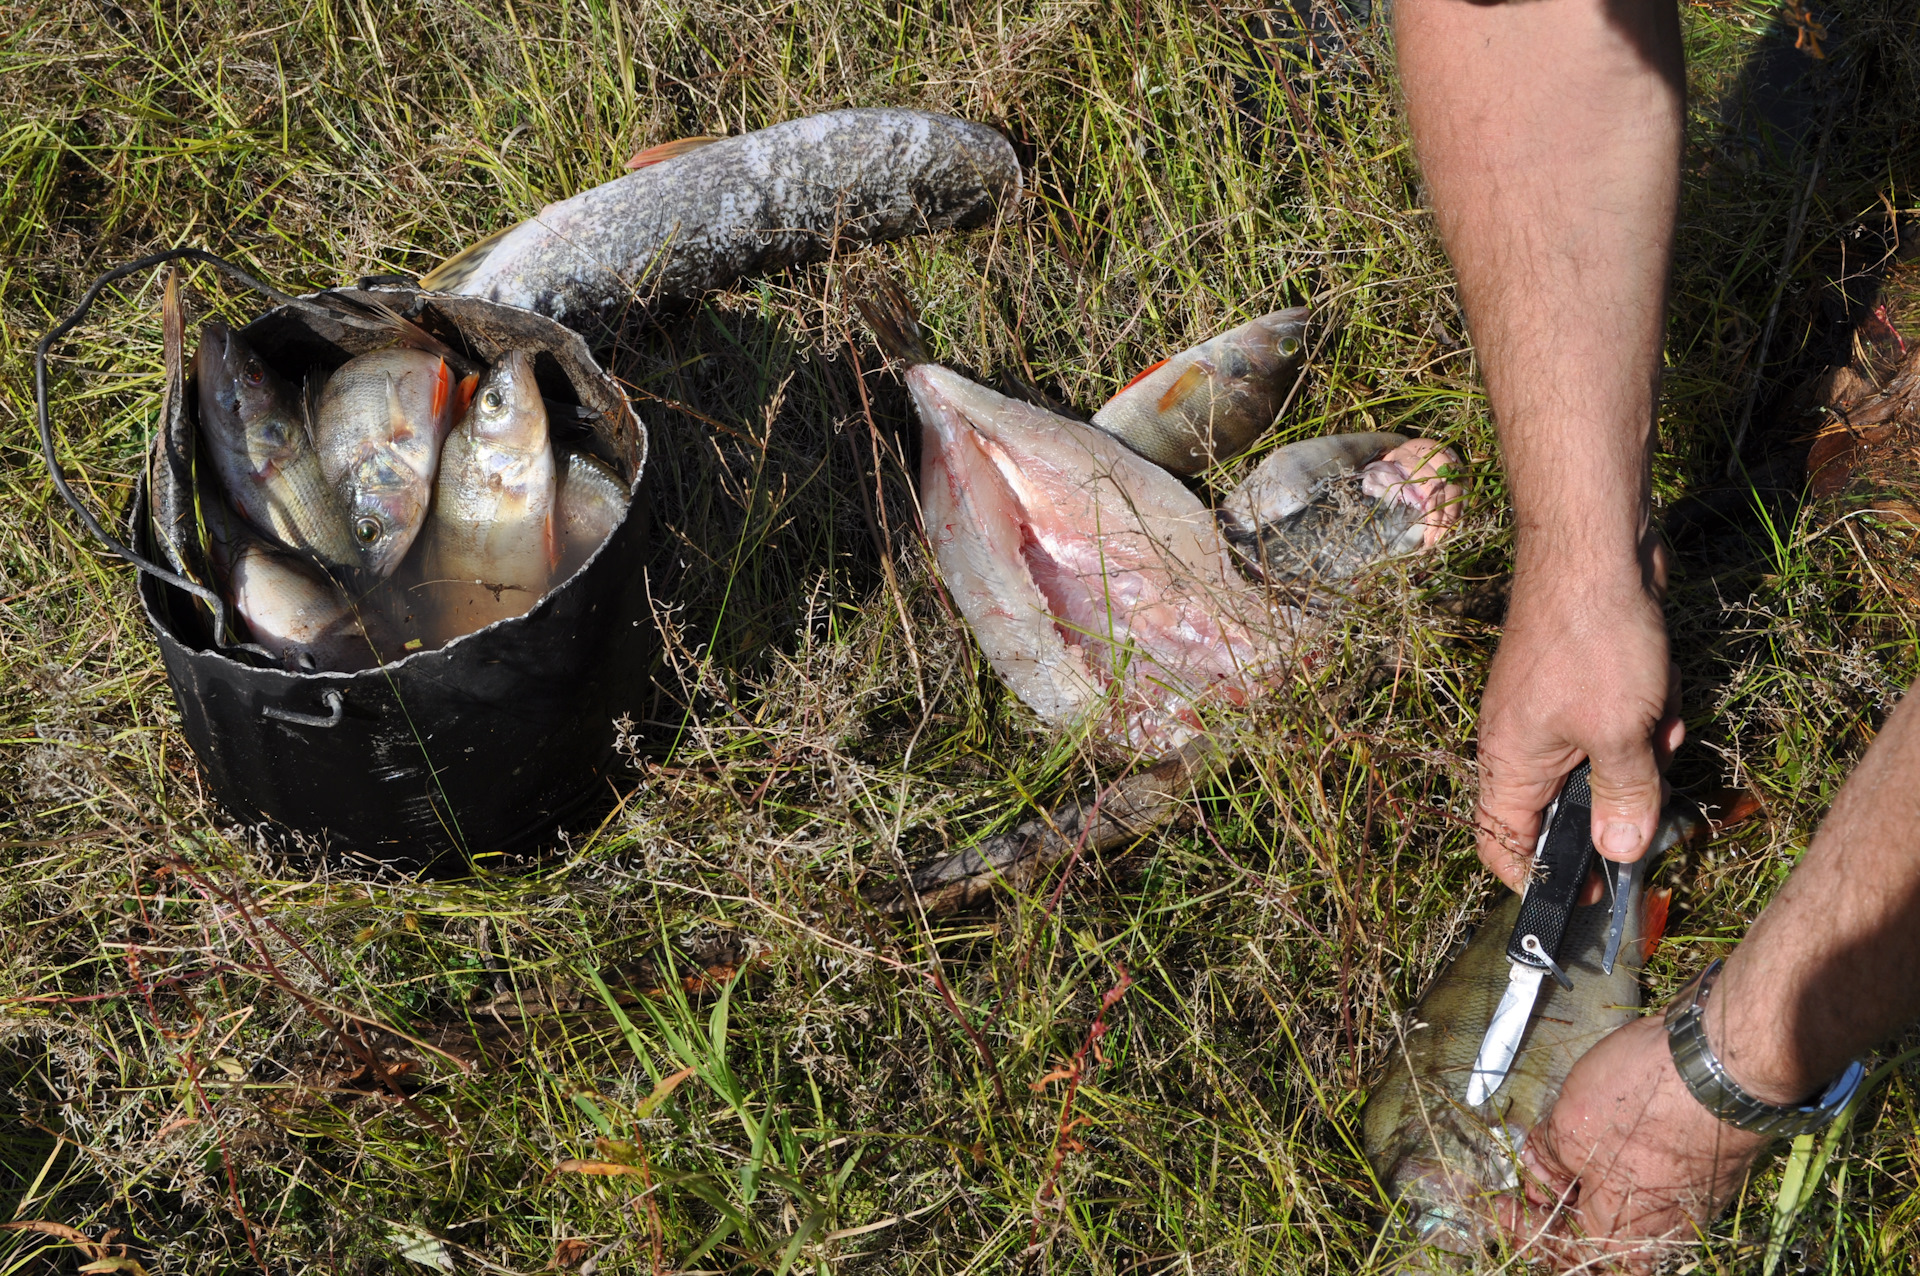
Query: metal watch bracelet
[(1707, 1080)]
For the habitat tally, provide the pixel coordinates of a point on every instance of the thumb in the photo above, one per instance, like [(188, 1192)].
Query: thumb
[(1626, 800)]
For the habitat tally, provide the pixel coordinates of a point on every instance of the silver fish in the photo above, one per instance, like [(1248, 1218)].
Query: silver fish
[(1321, 510), (1097, 585), (170, 464), (1443, 1161), (739, 206), (1209, 403), (378, 426), (590, 504), (294, 610), (262, 447), (492, 547)]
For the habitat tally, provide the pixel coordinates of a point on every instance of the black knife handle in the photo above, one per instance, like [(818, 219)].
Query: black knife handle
[(1559, 871)]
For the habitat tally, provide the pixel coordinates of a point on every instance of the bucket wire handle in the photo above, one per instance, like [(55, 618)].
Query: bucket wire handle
[(336, 709), (43, 422)]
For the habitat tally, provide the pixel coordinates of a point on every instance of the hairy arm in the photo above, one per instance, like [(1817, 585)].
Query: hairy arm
[(1549, 133)]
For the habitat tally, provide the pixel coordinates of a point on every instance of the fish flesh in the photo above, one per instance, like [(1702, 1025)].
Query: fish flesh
[(1443, 1162), (492, 547), (296, 613), (590, 504), (379, 424), (1209, 403), (713, 214), (1097, 585), (260, 439), (1321, 510)]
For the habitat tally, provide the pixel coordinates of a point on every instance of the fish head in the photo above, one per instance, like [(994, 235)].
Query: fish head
[(507, 410), (245, 406), (1445, 1184), (387, 505)]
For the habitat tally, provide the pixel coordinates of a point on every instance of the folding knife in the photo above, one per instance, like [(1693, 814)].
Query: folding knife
[(1561, 859)]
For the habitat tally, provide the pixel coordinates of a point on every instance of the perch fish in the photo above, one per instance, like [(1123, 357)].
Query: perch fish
[(492, 546), (1209, 403), (259, 437), (1321, 510), (1442, 1160), (710, 214), (1096, 584), (379, 425)]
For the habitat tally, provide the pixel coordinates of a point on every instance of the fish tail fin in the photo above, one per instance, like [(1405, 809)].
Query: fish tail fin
[(669, 150), (310, 395), (893, 320), (465, 264)]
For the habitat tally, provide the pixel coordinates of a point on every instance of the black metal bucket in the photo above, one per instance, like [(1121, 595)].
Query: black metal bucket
[(479, 748)]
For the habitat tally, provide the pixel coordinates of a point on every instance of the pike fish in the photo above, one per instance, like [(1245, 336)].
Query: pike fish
[(706, 215), (295, 612), (1209, 403), (1097, 585), (378, 426), (1443, 1161), (492, 526), (590, 504), (259, 436), (1319, 511)]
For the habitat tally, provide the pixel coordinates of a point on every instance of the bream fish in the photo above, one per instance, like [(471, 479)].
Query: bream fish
[(708, 215), (296, 613), (492, 547), (1096, 584), (1441, 1161), (1209, 403), (590, 504), (379, 425), (260, 439), (1321, 510)]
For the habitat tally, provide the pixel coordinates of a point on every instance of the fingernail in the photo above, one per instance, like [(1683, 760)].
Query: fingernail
[(1620, 839)]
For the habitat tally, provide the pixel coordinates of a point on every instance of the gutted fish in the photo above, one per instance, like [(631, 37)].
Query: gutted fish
[(1209, 403), (1443, 1162), (259, 438), (379, 426), (1096, 584), (739, 206), (591, 502), (1321, 510), (492, 546), (295, 611)]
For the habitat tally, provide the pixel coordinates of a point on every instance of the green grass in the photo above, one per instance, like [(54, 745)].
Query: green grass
[(178, 1006)]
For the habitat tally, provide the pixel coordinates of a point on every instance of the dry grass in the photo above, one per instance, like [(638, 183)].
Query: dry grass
[(231, 1062)]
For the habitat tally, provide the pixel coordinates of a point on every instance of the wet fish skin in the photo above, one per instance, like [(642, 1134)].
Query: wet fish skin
[(1085, 571), (740, 206), (258, 436), (1442, 1160), (294, 610), (1209, 403), (1322, 510), (379, 425), (590, 503), (170, 464), (492, 546)]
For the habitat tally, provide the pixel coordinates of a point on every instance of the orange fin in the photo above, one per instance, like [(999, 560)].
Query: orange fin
[(463, 394), (1142, 375), (668, 150), (442, 389), (1655, 925), (1190, 380)]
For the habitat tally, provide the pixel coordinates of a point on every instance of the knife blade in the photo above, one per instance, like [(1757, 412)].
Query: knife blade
[(1626, 880), (1561, 859)]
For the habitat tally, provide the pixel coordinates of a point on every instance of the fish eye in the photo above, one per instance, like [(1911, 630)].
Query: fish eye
[(367, 529), (1289, 346), (492, 400), (253, 372)]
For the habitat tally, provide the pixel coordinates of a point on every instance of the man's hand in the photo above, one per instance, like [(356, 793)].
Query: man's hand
[(1582, 671), (1627, 1164)]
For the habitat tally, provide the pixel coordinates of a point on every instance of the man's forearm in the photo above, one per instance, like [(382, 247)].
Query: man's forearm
[(1832, 968), (1550, 137)]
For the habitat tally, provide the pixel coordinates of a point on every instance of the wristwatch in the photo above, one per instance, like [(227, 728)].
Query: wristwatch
[(1720, 1094)]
